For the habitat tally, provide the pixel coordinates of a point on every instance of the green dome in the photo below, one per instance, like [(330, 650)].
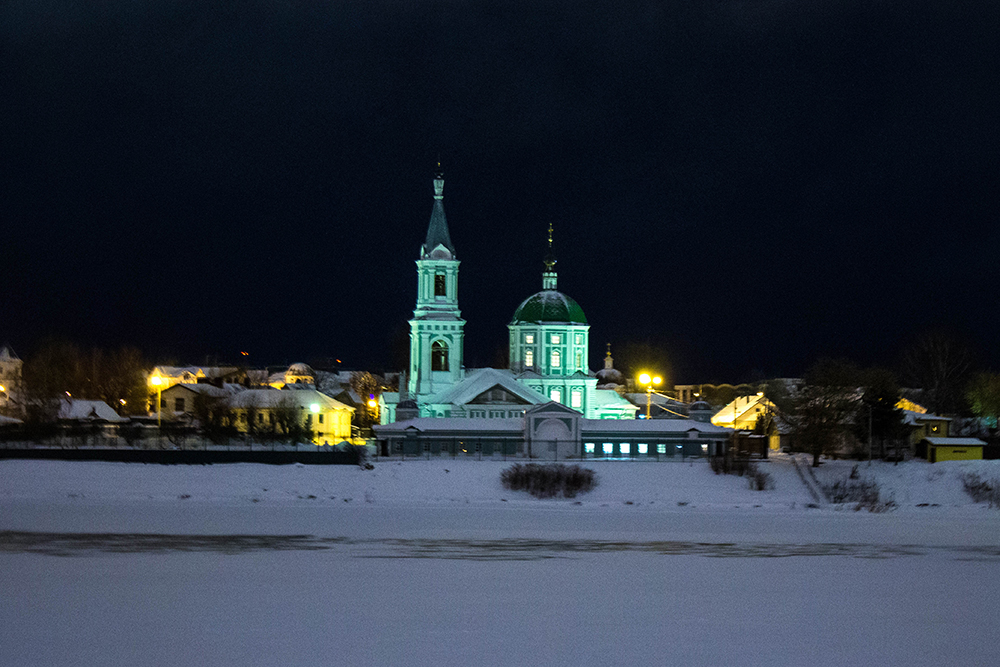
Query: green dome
[(549, 306)]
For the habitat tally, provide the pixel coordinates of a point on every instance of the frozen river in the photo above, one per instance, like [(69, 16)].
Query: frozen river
[(435, 564)]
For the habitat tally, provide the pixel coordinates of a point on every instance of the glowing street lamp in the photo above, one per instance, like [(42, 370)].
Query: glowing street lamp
[(649, 381), (157, 382)]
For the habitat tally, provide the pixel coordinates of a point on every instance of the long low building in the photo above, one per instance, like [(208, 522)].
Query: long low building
[(552, 431)]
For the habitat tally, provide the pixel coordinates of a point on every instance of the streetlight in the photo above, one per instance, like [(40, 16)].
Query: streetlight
[(649, 382), (157, 382)]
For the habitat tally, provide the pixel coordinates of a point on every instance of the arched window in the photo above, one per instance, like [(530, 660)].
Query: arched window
[(556, 359), (529, 358), (439, 356)]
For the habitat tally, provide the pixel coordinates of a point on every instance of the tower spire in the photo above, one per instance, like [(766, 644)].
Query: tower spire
[(549, 275), (438, 243)]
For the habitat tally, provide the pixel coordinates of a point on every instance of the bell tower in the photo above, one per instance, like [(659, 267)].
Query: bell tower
[(437, 330)]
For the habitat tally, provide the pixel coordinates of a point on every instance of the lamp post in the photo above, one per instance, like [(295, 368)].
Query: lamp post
[(157, 382), (649, 382)]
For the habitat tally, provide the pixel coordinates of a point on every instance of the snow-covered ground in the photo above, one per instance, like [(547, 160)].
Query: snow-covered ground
[(433, 562)]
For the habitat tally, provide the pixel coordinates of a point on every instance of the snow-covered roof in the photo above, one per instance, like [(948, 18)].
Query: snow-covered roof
[(651, 427), (912, 418), (205, 389), (453, 426), (610, 398), (739, 407), (955, 442), (80, 410), (197, 371), (277, 398), (484, 379)]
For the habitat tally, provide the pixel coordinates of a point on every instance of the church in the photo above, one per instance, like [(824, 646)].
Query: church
[(549, 342), (545, 405)]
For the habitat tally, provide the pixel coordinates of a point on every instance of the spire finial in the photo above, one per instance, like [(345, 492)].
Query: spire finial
[(438, 181), (549, 275)]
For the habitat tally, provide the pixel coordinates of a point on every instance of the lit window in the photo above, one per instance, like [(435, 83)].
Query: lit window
[(556, 359), (439, 356), (579, 339), (529, 357), (625, 448), (440, 286), (704, 449), (576, 398), (529, 338), (642, 448), (555, 339), (588, 448), (556, 395), (607, 448), (579, 358), (661, 449)]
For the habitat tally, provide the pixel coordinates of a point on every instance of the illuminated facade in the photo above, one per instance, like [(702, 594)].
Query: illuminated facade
[(549, 339), (437, 330), (266, 410)]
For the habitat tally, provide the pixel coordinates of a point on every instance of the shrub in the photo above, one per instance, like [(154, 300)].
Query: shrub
[(981, 490), (548, 481), (759, 480), (864, 492), (727, 464)]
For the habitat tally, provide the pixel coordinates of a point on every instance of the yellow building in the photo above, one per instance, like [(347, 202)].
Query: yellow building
[(742, 413), (274, 410), (925, 425), (951, 449)]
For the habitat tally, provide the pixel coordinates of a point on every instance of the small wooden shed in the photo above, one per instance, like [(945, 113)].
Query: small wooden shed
[(950, 449)]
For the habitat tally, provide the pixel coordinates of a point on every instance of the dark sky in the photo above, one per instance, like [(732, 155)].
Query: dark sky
[(750, 185)]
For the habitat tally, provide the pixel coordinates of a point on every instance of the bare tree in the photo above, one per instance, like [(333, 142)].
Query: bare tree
[(940, 365)]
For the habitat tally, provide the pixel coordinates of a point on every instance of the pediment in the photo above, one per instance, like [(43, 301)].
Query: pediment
[(552, 408), (496, 395)]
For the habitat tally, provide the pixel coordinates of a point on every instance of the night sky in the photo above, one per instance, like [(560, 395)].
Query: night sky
[(750, 185)]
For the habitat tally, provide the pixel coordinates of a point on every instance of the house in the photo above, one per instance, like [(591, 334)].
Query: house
[(743, 411), (179, 400), (83, 411), (925, 425), (274, 410), (552, 431)]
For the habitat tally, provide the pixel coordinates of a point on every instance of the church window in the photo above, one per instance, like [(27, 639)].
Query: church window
[(576, 398), (439, 356), (529, 358), (529, 338), (556, 359), (556, 395), (440, 286), (556, 339)]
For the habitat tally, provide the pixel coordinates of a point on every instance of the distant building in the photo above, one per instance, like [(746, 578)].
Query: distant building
[(10, 379), (270, 409), (552, 431)]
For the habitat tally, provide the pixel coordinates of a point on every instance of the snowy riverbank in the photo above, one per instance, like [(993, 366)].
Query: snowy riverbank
[(434, 563)]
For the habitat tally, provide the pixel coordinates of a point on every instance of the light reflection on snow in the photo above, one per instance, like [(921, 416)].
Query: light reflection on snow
[(83, 544)]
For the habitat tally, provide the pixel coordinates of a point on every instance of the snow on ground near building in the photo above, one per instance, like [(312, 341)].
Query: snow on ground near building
[(433, 563)]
